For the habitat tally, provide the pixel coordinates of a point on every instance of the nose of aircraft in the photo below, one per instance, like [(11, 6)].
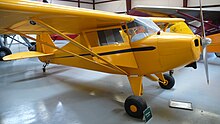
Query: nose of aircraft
[(178, 49)]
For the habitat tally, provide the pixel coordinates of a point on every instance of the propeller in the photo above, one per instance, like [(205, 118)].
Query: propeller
[(205, 42)]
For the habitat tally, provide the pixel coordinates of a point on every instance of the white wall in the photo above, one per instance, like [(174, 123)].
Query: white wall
[(120, 6), (157, 2), (117, 6), (74, 4), (204, 2)]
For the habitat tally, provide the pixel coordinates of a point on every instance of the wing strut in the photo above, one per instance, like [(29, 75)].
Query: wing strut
[(71, 53), (52, 29)]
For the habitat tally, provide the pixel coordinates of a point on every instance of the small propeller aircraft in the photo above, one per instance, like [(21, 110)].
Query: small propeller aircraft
[(192, 17), (106, 42)]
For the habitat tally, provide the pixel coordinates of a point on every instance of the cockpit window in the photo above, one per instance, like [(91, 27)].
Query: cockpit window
[(141, 27), (110, 36)]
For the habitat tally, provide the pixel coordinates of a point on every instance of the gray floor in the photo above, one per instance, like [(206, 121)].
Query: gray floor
[(67, 95)]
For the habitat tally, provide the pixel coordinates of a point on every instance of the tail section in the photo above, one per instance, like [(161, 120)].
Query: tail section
[(44, 37), (42, 50)]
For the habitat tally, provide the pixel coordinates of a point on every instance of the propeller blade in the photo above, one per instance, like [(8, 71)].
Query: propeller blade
[(205, 42), (202, 20), (206, 64)]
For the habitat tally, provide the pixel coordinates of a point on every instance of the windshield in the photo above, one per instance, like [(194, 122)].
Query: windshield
[(141, 27)]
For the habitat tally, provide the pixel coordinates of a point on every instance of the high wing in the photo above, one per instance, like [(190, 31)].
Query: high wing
[(27, 17), (162, 11), (59, 16)]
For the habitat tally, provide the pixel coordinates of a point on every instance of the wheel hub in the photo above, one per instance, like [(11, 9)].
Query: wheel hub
[(133, 108), (164, 82)]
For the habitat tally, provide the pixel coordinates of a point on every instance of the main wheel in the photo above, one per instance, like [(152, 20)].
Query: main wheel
[(33, 47), (4, 51), (134, 106), (170, 82)]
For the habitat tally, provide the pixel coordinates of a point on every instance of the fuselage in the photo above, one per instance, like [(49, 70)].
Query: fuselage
[(154, 54), (139, 49)]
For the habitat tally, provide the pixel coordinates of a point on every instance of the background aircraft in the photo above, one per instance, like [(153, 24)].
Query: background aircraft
[(192, 17), (108, 42), (5, 45)]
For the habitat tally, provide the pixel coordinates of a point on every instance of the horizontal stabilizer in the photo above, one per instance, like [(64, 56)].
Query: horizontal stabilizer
[(23, 55)]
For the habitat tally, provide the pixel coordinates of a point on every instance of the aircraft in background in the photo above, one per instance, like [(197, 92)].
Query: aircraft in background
[(106, 42), (192, 17), (5, 45)]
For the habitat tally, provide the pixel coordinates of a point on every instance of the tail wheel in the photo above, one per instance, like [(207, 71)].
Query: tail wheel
[(134, 106), (4, 51), (170, 82), (33, 47)]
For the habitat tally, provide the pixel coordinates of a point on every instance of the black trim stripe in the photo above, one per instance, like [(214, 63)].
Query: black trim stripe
[(119, 51), (128, 50)]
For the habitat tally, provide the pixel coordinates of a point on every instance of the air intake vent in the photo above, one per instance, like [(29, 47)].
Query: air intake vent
[(196, 41)]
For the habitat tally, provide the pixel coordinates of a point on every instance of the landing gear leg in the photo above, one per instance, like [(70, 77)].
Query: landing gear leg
[(44, 67), (135, 105)]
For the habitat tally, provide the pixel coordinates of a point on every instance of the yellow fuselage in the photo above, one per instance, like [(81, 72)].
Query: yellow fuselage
[(154, 54)]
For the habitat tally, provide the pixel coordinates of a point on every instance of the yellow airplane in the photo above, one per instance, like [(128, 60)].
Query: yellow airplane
[(106, 42)]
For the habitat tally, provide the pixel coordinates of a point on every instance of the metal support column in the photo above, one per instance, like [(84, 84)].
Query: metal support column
[(128, 5), (93, 3), (185, 3), (78, 3)]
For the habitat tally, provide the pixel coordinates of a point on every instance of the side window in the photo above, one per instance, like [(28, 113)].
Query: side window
[(111, 36)]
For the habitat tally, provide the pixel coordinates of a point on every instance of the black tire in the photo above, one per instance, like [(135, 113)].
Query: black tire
[(4, 51), (217, 54), (170, 83), (138, 102), (33, 47)]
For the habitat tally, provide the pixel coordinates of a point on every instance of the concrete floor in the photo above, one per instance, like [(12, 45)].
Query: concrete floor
[(68, 95)]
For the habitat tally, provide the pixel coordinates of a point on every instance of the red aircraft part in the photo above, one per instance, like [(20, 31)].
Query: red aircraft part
[(57, 37)]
